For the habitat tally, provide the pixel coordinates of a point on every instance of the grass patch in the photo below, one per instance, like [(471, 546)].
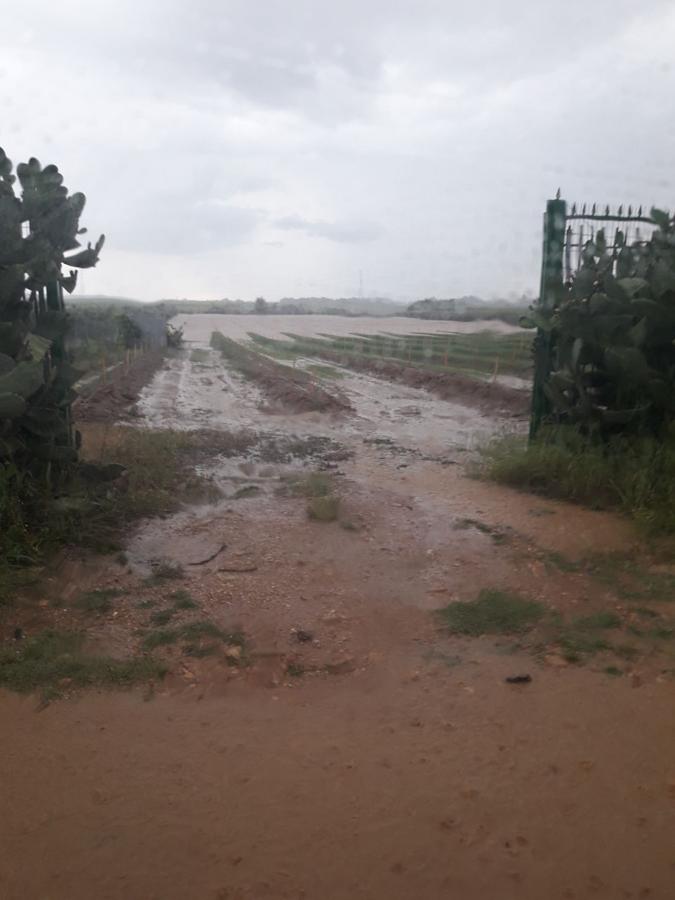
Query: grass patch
[(98, 601), (323, 503), (53, 661), (193, 632), (316, 484), (183, 600), (630, 580), (167, 571), (493, 612), (323, 509), (646, 613), (583, 636), (598, 621), (577, 644), (162, 616), (161, 637), (662, 634), (635, 477), (199, 651)]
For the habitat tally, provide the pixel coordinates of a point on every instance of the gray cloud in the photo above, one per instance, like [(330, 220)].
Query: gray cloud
[(195, 128), (342, 232)]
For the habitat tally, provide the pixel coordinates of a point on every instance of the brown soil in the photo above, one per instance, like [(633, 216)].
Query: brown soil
[(114, 396), (285, 387), (355, 749)]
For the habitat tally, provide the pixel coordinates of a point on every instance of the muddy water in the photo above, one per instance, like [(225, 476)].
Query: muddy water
[(198, 327), (206, 394)]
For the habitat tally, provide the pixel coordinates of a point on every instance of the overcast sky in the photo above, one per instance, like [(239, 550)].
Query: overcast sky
[(280, 147)]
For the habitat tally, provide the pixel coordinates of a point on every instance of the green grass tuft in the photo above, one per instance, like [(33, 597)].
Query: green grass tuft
[(636, 477), (97, 601), (193, 632), (162, 616), (53, 661), (183, 600), (316, 484), (662, 634), (494, 612), (166, 571), (597, 621), (323, 509), (161, 637)]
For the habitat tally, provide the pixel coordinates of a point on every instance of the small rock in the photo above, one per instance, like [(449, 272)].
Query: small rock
[(233, 653), (635, 680), (333, 618), (304, 637), (518, 679), (341, 667)]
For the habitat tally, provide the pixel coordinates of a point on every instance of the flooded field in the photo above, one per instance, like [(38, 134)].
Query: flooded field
[(198, 327)]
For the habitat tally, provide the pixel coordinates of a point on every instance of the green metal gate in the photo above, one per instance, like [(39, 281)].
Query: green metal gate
[(566, 234)]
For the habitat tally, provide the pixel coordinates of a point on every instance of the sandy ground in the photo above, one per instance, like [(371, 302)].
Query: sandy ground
[(400, 764)]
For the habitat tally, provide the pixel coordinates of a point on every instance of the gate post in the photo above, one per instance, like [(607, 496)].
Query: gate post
[(550, 292)]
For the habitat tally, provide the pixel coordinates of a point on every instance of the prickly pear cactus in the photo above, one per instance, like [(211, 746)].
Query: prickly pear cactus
[(613, 335), (39, 225)]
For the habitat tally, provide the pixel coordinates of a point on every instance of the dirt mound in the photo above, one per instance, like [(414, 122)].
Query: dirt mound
[(290, 388), (114, 398)]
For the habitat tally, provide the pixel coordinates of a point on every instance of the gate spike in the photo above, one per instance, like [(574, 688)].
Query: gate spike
[(574, 209), (583, 212), (620, 209), (593, 210), (607, 210), (630, 210), (557, 194), (640, 212)]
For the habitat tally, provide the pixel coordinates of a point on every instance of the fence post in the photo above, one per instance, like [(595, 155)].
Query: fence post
[(549, 294)]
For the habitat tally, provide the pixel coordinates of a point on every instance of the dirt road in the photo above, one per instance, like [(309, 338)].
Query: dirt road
[(363, 753)]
